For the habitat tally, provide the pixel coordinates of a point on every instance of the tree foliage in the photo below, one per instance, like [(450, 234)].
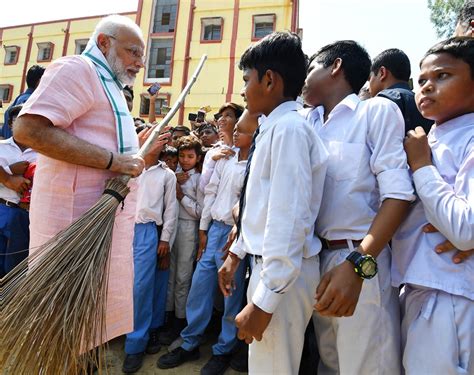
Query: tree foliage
[(444, 15)]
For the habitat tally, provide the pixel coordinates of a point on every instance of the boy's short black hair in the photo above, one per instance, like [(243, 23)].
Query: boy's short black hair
[(129, 90), (13, 112), (181, 128), (355, 61), (207, 125), (34, 76), (396, 61), (466, 14), (458, 47), (169, 152), (189, 142), (280, 52)]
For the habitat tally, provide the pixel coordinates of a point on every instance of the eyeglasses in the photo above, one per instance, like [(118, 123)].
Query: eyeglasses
[(135, 52)]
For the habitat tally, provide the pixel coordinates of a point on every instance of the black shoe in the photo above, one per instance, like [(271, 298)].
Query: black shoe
[(177, 357), (167, 337), (153, 345), (240, 360), (132, 363), (216, 365)]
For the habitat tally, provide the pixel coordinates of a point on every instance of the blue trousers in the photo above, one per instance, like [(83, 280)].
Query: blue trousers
[(150, 285), (201, 296), (14, 237)]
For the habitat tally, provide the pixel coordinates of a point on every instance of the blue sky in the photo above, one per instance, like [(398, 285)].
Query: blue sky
[(376, 24)]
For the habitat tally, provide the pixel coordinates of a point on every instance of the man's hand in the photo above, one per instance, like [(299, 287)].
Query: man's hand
[(202, 244), (230, 240), (252, 322), (163, 248), (179, 192), (226, 274), (19, 168), (182, 177), (338, 292), (132, 165), (164, 262), (446, 246), (417, 149), (17, 183), (225, 153)]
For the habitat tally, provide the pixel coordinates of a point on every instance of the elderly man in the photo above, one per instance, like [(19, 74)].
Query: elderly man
[(77, 119)]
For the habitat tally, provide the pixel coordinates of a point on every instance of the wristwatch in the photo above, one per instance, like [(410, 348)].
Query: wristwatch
[(364, 265)]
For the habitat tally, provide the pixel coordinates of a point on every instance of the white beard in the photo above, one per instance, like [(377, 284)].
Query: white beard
[(118, 67)]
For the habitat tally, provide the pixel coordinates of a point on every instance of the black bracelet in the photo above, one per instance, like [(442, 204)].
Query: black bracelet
[(110, 161)]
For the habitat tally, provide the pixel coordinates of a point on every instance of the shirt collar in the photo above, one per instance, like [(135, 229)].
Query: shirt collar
[(438, 131), (399, 85), (267, 121), (351, 101)]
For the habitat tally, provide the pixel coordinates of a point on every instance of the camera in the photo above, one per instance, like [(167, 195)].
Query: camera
[(200, 116), (192, 116), (153, 89)]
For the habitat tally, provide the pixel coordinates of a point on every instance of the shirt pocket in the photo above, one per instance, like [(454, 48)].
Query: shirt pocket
[(345, 159)]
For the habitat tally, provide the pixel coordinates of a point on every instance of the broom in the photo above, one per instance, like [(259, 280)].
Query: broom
[(53, 304)]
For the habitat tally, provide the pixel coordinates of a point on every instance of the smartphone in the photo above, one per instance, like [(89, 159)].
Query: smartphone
[(217, 116), (153, 89), (192, 116), (200, 116)]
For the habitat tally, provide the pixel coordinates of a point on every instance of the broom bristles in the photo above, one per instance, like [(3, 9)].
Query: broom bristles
[(54, 302)]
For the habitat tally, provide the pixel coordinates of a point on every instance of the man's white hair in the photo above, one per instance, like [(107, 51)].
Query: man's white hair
[(111, 25)]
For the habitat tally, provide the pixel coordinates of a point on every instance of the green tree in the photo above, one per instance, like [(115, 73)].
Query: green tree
[(444, 15)]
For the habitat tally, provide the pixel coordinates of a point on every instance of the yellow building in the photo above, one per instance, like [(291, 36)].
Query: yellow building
[(177, 33)]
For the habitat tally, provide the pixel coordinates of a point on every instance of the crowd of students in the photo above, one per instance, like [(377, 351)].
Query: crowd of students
[(338, 196)]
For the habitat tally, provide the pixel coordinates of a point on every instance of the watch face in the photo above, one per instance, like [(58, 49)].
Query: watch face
[(368, 267)]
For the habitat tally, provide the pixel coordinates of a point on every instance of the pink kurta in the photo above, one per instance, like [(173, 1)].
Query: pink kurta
[(72, 98)]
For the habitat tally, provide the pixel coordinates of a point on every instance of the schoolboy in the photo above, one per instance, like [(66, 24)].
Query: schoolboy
[(14, 217), (228, 115), (389, 76), (170, 156), (438, 298), (281, 202), (208, 134), (221, 194), (366, 195), (190, 200), (155, 222)]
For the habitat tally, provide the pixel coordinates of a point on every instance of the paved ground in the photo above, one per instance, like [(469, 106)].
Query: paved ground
[(116, 355)]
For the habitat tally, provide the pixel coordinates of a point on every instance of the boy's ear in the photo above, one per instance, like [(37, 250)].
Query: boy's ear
[(269, 79), (383, 73), (336, 67)]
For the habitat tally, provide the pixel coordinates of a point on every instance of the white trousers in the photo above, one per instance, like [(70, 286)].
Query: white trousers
[(280, 350), (437, 332), (369, 341)]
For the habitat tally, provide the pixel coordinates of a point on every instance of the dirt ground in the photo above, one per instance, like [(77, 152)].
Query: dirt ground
[(116, 355)]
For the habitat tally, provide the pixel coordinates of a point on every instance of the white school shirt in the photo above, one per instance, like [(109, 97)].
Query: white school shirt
[(367, 164), (190, 207), (223, 191), (156, 199), (209, 163), (446, 200), (11, 153), (282, 200)]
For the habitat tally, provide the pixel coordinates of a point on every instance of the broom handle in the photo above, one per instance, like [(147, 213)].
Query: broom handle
[(156, 132)]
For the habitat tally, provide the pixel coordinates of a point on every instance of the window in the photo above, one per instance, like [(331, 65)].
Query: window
[(159, 62), (263, 25), (161, 105), (211, 29), (80, 46), (45, 51), (6, 93), (164, 20), (11, 55)]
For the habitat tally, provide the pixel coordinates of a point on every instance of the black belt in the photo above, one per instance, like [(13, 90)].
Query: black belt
[(338, 244), (8, 203)]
